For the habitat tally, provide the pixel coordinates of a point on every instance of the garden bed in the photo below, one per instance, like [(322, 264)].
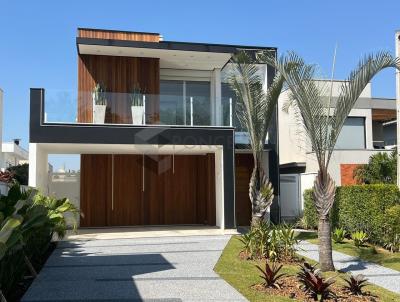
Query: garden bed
[(244, 276)]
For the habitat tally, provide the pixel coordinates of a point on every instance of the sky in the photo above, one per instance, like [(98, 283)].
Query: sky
[(37, 38)]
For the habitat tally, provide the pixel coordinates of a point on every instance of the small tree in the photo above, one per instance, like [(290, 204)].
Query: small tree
[(381, 168), (323, 120), (255, 107)]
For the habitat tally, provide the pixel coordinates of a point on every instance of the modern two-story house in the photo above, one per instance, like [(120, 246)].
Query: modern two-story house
[(154, 124)]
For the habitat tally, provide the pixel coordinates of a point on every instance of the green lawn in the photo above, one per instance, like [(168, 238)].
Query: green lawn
[(242, 274), (368, 253)]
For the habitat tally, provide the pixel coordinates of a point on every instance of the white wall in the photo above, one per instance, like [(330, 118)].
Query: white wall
[(66, 185), (1, 118), (38, 168), (341, 157)]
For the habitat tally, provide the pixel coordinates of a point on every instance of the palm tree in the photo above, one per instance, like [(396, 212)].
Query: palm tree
[(255, 107), (323, 119)]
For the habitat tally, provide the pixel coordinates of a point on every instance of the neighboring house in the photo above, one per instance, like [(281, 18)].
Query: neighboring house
[(13, 154), (158, 148), (370, 128)]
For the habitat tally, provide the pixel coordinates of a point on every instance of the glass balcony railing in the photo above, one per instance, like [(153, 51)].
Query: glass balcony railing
[(136, 109)]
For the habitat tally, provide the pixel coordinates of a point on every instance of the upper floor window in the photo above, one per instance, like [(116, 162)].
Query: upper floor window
[(185, 102), (352, 135)]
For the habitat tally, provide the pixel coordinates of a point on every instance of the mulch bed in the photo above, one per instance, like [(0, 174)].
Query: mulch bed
[(289, 287), (23, 286)]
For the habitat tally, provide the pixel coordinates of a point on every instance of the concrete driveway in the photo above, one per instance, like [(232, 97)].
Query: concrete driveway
[(134, 269)]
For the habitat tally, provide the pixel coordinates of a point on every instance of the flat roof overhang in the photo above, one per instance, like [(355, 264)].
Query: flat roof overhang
[(173, 55)]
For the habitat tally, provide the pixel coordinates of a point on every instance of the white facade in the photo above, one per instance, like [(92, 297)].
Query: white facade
[(13, 155)]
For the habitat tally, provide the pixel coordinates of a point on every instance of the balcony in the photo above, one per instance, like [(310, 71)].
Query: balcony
[(111, 108)]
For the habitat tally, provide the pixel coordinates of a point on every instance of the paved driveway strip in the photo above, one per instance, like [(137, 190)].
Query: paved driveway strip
[(145, 269), (376, 274)]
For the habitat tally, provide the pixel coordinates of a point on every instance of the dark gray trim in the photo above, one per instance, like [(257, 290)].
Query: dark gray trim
[(292, 168), (170, 45), (40, 132), (273, 155)]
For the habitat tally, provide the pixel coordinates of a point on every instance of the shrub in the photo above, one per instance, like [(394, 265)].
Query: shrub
[(338, 235), (313, 283), (270, 274), (391, 238), (355, 284), (21, 173), (310, 215), (360, 207), (359, 238)]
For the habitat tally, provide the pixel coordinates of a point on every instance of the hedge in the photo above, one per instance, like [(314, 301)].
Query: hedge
[(360, 207)]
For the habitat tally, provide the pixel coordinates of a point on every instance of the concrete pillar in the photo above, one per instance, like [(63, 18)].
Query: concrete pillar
[(38, 168)]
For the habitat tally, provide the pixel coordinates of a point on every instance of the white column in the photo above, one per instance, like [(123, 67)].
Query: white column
[(397, 41), (216, 97), (38, 168), (219, 189)]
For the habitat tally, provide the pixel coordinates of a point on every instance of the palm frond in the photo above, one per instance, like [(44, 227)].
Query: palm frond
[(352, 88)]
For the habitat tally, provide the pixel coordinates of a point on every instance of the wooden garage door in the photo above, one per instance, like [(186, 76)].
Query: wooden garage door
[(118, 190)]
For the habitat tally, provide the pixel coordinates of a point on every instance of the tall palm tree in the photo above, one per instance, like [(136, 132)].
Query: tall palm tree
[(323, 118), (255, 107)]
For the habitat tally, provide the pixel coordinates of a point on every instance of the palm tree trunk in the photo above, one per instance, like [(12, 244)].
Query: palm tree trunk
[(324, 197), (255, 220), (325, 245)]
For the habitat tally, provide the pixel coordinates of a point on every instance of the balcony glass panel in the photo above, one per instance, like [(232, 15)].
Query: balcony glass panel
[(194, 108)]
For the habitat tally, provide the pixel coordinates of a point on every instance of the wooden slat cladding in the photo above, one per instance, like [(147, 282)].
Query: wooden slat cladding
[(118, 35), (119, 75), (383, 115), (127, 202), (177, 189), (243, 170), (96, 191)]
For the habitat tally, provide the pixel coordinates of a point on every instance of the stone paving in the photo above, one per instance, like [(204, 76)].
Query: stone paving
[(134, 269)]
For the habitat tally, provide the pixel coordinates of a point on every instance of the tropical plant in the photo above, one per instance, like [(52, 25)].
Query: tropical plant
[(339, 235), (355, 284), (99, 95), (313, 283), (288, 240), (26, 230), (273, 242), (136, 96), (322, 120), (270, 274), (248, 241), (56, 211), (359, 238), (381, 168), (255, 108)]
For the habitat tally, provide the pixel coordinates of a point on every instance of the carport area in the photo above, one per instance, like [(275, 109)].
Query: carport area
[(163, 268)]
